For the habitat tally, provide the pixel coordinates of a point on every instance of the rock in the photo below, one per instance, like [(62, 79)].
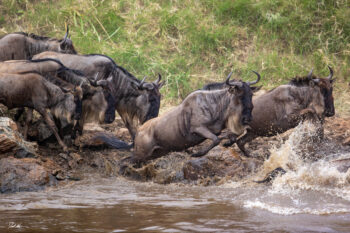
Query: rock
[(23, 175), (7, 122), (12, 141), (76, 157), (219, 163)]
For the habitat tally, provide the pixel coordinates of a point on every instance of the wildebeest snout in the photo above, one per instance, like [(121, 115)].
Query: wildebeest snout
[(330, 112), (246, 119)]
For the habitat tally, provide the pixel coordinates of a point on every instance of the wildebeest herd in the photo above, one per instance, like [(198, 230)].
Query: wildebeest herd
[(48, 76)]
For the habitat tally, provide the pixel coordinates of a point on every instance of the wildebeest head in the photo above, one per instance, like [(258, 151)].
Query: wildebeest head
[(244, 91), (149, 99), (65, 109), (66, 44), (107, 92), (73, 110), (78, 98), (325, 86)]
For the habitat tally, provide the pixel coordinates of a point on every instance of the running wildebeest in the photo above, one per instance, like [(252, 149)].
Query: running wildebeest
[(35, 92), (285, 106), (54, 71), (19, 45), (136, 101), (202, 115)]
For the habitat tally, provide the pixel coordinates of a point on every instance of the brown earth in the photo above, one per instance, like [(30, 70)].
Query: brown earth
[(50, 166)]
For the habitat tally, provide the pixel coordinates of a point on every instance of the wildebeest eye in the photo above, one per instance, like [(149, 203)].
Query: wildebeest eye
[(233, 90)]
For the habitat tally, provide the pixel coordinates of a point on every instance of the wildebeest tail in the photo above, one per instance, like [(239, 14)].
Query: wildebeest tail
[(112, 141)]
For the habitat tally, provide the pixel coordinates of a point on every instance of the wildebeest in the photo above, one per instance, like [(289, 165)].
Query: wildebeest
[(285, 106), (202, 115), (33, 91), (95, 100), (221, 85), (19, 45), (136, 101)]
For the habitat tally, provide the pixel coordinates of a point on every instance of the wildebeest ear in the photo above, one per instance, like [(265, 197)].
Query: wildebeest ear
[(311, 83), (255, 89), (147, 86), (332, 80)]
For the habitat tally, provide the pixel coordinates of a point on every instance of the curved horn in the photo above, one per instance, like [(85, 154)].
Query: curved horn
[(309, 76), (329, 77), (257, 80), (143, 80), (159, 78), (228, 78), (66, 35)]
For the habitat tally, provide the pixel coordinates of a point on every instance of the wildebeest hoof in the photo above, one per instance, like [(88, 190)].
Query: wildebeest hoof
[(66, 150), (228, 144)]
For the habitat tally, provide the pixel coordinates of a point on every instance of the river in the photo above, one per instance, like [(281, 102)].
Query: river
[(118, 205)]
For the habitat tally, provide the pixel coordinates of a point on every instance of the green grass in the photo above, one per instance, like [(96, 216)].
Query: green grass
[(195, 42)]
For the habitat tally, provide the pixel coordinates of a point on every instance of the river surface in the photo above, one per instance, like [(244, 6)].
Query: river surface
[(118, 205), (310, 197)]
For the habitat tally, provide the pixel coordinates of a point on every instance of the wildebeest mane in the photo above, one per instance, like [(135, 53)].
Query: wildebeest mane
[(217, 85), (77, 72), (36, 37), (128, 74), (301, 81)]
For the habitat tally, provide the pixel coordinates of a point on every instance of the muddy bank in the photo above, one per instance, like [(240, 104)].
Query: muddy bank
[(46, 165)]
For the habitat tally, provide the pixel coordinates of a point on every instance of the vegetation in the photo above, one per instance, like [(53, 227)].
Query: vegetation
[(194, 42)]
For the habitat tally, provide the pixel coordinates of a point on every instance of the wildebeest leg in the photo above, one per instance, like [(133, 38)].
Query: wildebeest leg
[(243, 140), (131, 130), (272, 175), (53, 127), (231, 138), (206, 133), (59, 126), (29, 117), (76, 128), (19, 113)]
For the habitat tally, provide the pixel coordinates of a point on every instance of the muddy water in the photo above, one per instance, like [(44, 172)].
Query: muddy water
[(313, 196)]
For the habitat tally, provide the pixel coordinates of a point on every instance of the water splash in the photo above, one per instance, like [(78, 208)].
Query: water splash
[(312, 184)]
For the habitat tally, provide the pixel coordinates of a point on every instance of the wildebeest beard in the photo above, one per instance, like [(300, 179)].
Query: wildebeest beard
[(78, 108), (246, 100), (153, 110), (328, 101), (110, 112)]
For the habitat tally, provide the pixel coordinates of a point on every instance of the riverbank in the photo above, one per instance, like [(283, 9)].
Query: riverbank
[(47, 166)]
